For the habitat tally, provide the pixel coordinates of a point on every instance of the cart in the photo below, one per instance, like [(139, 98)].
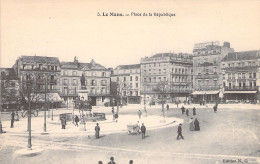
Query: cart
[(133, 128)]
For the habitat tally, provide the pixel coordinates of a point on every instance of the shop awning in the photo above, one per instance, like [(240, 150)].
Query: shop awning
[(240, 91), (50, 97), (205, 92)]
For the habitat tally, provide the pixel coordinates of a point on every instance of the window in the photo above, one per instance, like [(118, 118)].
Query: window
[(250, 75), (254, 75), (249, 63), (164, 78), (250, 84), (215, 70), (207, 71), (238, 64), (131, 78), (104, 82), (124, 84), (144, 79), (215, 60), (136, 78), (150, 79), (93, 82), (40, 66), (229, 85), (74, 73), (240, 85), (56, 68), (124, 78), (215, 82), (229, 76), (233, 76), (136, 93), (65, 73), (243, 75), (117, 78), (136, 85), (243, 64), (131, 93), (124, 93), (51, 87), (52, 68), (254, 83), (66, 82), (74, 81), (207, 82), (239, 75)]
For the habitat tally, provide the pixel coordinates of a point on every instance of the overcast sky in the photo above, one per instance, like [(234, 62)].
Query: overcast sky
[(69, 28)]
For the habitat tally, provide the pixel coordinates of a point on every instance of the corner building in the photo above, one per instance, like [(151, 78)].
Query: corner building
[(176, 69), (241, 76), (207, 80), (97, 82)]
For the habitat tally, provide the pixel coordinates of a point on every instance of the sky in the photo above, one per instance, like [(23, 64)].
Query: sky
[(68, 28)]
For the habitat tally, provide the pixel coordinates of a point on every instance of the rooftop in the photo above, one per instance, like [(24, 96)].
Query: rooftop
[(40, 59), (242, 55), (8, 73), (132, 66)]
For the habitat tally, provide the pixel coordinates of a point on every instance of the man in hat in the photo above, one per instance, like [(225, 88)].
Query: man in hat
[(143, 129), (179, 132), (97, 129), (111, 161)]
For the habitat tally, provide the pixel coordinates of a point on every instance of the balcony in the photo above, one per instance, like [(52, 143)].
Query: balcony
[(206, 88), (42, 90), (53, 81), (70, 93), (245, 88)]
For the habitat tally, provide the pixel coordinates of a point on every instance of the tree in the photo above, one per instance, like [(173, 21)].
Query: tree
[(163, 89), (28, 90)]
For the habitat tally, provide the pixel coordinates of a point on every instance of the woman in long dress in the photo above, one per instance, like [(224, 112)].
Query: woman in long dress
[(191, 122), (197, 125)]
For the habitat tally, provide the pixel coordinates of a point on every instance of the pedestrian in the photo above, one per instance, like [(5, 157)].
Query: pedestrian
[(116, 117), (97, 129), (197, 125), (215, 108), (177, 104), (187, 112), (143, 130), (131, 162), (191, 122), (100, 162), (112, 110), (76, 120), (111, 161), (179, 132), (63, 123), (12, 119), (167, 107), (139, 114), (194, 111), (182, 109), (16, 116)]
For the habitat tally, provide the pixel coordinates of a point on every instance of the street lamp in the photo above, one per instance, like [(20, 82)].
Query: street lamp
[(45, 100)]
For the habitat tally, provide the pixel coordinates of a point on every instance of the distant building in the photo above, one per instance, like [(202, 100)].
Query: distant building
[(44, 71), (241, 76), (96, 79), (10, 95), (176, 69), (127, 77), (207, 80)]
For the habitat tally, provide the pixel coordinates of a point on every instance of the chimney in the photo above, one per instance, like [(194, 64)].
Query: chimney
[(226, 44), (76, 59)]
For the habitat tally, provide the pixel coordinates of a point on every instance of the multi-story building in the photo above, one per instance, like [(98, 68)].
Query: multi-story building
[(207, 80), (44, 71), (175, 69), (127, 77), (241, 76), (10, 96), (96, 78)]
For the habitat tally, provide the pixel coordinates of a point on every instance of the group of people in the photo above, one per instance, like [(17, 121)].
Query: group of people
[(187, 111), (112, 161), (115, 115), (194, 124)]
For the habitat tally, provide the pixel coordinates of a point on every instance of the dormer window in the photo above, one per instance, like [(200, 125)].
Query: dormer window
[(40, 66)]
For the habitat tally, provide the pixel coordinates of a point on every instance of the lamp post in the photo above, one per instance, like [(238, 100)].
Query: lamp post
[(45, 100), (67, 96), (52, 111)]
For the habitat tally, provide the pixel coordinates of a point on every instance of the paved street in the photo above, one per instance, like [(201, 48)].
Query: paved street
[(230, 134)]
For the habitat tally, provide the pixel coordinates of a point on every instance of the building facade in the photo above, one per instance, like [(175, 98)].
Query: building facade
[(10, 96), (207, 80), (127, 79), (96, 81), (45, 73), (241, 76), (175, 69)]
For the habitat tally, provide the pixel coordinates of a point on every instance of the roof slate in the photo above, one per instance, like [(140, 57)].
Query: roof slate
[(132, 66), (242, 55)]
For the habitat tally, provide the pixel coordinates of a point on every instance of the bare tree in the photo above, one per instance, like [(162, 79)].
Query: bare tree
[(163, 90), (28, 90), (122, 87)]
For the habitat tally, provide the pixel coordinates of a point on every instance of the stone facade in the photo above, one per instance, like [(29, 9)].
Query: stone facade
[(241, 76), (97, 81), (127, 78), (207, 83), (176, 69)]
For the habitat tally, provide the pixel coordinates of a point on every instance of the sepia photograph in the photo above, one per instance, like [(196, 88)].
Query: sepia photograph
[(130, 82)]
